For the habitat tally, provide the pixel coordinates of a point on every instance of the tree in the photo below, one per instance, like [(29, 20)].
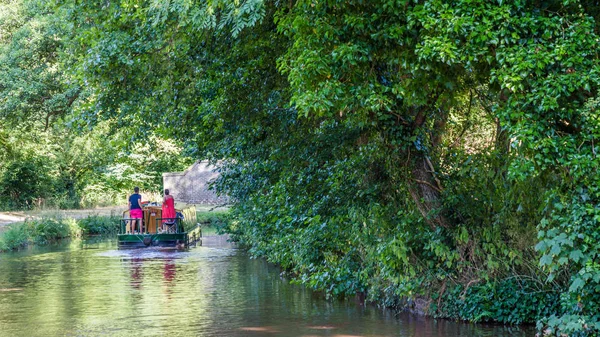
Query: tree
[(34, 89)]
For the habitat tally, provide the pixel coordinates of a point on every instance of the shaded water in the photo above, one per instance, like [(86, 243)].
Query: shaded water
[(83, 289)]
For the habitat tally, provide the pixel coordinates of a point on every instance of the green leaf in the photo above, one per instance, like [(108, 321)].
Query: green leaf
[(546, 260), (576, 255), (577, 284)]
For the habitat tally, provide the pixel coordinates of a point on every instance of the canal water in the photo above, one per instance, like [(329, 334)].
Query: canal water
[(92, 289)]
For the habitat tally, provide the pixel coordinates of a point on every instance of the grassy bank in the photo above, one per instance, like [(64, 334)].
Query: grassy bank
[(216, 218), (213, 222), (48, 230)]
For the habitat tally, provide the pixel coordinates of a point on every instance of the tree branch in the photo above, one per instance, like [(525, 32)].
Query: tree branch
[(428, 184)]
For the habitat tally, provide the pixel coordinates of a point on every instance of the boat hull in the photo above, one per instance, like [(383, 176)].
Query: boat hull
[(174, 240)]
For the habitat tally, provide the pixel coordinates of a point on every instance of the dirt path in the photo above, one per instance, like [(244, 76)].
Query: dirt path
[(19, 216), (10, 217)]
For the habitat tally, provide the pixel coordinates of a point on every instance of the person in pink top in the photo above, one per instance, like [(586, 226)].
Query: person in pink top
[(168, 208)]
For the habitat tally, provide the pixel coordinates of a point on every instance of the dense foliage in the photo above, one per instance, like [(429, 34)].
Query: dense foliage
[(49, 155), (439, 155)]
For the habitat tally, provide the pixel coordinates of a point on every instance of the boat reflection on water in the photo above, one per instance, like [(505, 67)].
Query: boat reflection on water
[(136, 272), (139, 260), (169, 272)]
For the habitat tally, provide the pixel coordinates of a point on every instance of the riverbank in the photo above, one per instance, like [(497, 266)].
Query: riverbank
[(20, 229), (466, 273), (9, 217), (45, 230), (206, 213)]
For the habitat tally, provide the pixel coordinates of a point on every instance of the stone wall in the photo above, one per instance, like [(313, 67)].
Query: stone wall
[(191, 185)]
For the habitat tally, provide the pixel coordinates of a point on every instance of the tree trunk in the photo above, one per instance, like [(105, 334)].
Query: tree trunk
[(425, 191), (425, 188), (502, 142)]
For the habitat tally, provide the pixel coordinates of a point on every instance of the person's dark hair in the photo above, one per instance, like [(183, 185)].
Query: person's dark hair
[(167, 191), (136, 189)]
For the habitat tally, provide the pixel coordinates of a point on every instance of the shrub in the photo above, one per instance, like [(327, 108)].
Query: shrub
[(13, 237), (46, 230), (39, 231), (213, 222), (96, 224)]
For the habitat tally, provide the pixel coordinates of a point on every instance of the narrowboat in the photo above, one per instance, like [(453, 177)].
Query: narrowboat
[(157, 231)]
